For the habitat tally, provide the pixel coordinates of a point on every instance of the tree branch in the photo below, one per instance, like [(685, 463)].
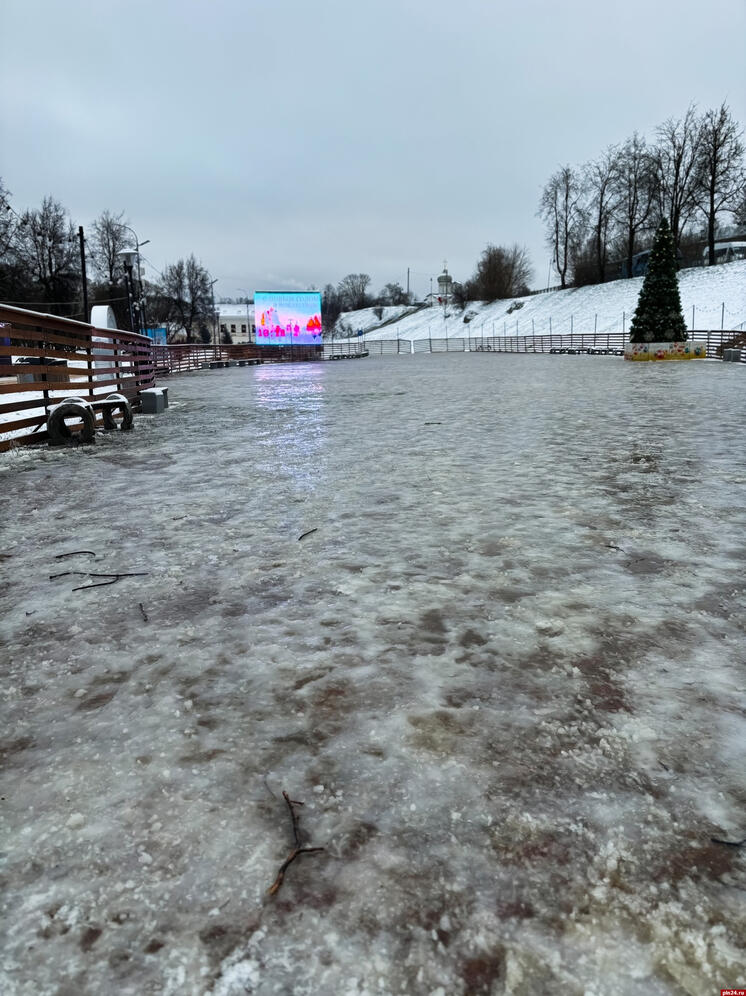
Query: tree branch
[(275, 887)]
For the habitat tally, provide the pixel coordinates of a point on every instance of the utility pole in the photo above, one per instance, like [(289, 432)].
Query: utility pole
[(248, 321), (86, 315), (214, 313), (407, 285)]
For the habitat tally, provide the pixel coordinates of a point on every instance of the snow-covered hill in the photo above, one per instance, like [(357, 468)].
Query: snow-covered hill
[(709, 296)]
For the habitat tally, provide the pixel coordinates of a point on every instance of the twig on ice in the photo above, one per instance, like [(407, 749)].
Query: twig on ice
[(74, 553), (293, 816), (112, 575), (728, 843), (120, 574), (274, 888), (113, 578), (144, 613), (303, 535)]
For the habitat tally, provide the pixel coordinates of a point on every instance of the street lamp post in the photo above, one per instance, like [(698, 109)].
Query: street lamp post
[(141, 297), (248, 322), (128, 257)]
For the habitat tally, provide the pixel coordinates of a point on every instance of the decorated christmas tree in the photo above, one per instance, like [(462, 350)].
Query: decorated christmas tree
[(658, 316)]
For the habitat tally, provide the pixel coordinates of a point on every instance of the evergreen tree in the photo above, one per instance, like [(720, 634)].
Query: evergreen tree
[(658, 316)]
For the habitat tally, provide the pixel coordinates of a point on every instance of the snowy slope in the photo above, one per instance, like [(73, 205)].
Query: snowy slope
[(707, 295), (367, 320)]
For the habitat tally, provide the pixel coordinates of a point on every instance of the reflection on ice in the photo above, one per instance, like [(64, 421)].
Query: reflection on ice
[(286, 405)]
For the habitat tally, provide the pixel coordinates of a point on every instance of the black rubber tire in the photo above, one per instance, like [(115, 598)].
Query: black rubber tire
[(126, 410), (58, 432)]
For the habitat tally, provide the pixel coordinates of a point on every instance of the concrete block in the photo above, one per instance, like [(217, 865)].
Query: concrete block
[(153, 402)]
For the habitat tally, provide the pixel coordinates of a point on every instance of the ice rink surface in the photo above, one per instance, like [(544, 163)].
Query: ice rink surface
[(503, 670)]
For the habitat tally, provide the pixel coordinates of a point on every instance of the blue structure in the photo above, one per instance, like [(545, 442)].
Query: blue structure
[(158, 335), (640, 263)]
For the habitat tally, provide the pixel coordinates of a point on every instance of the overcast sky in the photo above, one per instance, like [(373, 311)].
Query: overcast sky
[(287, 142)]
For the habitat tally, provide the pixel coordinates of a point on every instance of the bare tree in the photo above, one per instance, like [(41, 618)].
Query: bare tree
[(183, 299), (352, 289), (393, 294), (15, 282), (45, 244), (502, 272), (331, 307), (721, 169), (677, 158), (599, 184), (739, 209), (109, 238), (561, 209), (7, 220), (633, 192)]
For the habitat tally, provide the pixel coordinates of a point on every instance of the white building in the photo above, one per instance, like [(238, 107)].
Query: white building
[(238, 319)]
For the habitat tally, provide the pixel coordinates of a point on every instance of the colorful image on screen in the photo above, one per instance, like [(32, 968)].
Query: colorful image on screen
[(287, 318)]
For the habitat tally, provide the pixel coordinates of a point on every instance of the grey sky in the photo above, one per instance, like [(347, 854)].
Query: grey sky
[(288, 143)]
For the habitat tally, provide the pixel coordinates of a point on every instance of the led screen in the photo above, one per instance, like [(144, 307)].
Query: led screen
[(287, 318)]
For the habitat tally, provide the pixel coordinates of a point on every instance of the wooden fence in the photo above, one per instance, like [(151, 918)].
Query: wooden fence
[(44, 359), (182, 357)]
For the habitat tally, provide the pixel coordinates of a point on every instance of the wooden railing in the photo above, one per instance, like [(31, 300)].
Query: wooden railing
[(44, 359), (182, 357)]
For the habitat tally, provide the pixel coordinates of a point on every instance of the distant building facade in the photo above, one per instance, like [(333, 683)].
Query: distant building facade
[(238, 320)]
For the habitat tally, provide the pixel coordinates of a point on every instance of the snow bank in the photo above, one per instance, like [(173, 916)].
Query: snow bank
[(370, 319)]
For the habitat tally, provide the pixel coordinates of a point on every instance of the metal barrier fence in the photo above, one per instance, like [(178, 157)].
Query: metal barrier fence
[(355, 347), (715, 341), (44, 359), (387, 347), (438, 345)]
